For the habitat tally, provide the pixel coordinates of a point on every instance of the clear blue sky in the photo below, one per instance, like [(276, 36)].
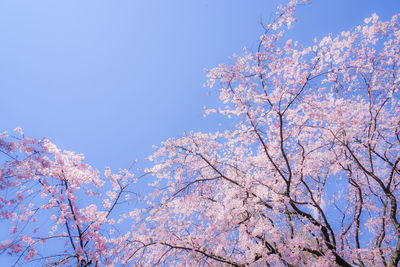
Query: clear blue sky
[(111, 78)]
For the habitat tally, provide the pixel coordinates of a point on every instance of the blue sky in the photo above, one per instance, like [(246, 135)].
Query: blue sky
[(111, 78)]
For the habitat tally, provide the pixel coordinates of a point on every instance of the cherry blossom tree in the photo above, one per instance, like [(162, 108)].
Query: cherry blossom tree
[(308, 175), (59, 208)]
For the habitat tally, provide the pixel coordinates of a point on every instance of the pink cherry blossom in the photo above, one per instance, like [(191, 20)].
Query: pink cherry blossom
[(308, 175)]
